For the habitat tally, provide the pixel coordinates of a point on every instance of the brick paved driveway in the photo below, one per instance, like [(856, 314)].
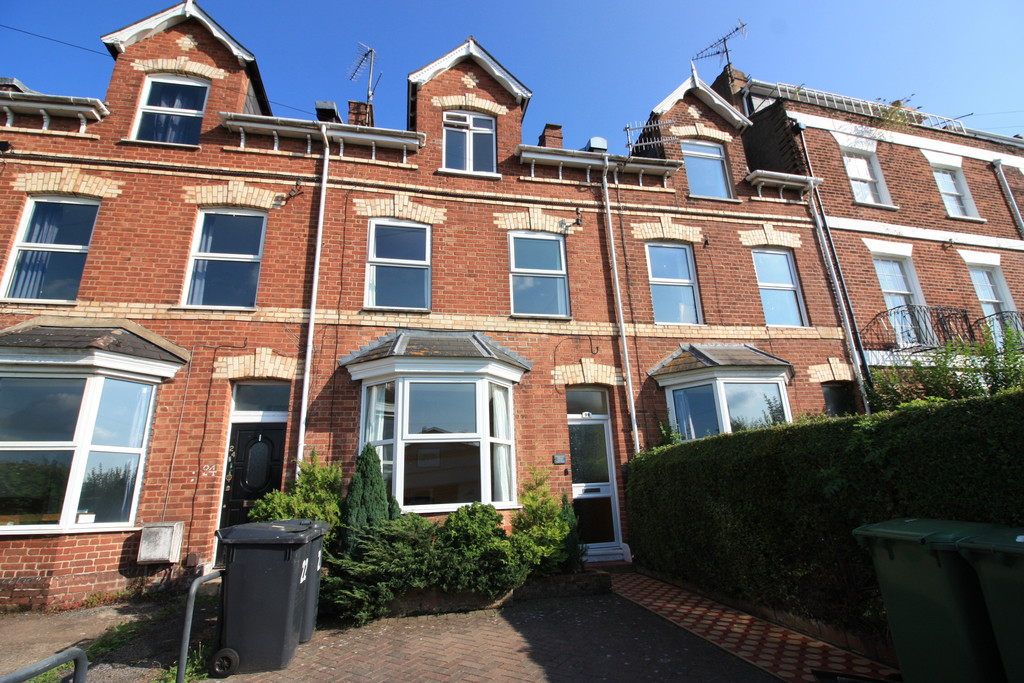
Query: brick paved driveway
[(600, 638)]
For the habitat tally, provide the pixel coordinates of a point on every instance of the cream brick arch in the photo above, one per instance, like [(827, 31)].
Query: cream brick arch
[(587, 371), (262, 363), (836, 371), (665, 229), (68, 181), (470, 101), (698, 129), (235, 193), (769, 236), (400, 206), (535, 219), (179, 65)]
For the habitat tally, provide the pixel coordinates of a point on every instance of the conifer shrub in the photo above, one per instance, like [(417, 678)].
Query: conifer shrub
[(368, 502)]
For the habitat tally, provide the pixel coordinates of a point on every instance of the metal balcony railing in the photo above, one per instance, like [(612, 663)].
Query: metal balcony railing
[(914, 328), (998, 325)]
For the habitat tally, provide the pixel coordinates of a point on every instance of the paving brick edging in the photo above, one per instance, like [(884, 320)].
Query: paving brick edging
[(880, 652)]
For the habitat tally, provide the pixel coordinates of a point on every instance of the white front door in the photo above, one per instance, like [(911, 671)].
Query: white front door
[(594, 493)]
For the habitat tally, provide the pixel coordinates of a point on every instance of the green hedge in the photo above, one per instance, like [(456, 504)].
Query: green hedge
[(766, 515)]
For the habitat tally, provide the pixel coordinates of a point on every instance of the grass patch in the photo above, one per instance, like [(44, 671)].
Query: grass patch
[(195, 666)]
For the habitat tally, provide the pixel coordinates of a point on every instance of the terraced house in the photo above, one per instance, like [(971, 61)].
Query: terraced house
[(197, 294)]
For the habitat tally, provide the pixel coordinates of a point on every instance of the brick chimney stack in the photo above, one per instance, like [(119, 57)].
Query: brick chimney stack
[(360, 113), (551, 137)]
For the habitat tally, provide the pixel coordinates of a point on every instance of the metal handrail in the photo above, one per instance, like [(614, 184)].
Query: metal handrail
[(75, 654), (186, 631), (913, 328), (998, 322)]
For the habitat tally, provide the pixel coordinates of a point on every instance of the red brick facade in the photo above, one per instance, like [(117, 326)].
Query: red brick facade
[(152, 197)]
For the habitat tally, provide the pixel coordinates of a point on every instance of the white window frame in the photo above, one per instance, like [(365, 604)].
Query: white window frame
[(715, 152), (21, 245), (373, 262), (691, 283), (197, 255), (852, 146), (95, 367), (903, 255), (719, 379), (952, 167), (404, 374), (515, 272), (145, 108), (793, 286), (461, 120)]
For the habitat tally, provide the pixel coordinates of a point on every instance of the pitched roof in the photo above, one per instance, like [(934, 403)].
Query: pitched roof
[(472, 50), (702, 356), (435, 344), (706, 95), (112, 335)]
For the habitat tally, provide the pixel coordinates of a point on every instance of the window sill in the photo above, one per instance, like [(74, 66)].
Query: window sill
[(27, 530), (968, 219), (227, 309), (157, 143), (875, 205), (482, 175), (541, 316), (668, 324), (381, 309), (38, 302), (789, 327), (727, 200)]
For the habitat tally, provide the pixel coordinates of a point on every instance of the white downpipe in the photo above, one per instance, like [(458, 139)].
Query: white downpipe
[(627, 369), (997, 164), (307, 365)]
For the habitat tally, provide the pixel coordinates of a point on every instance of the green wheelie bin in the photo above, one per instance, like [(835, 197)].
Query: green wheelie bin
[(998, 560), (940, 626)]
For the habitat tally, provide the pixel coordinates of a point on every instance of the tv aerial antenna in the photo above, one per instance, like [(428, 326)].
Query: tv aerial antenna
[(366, 59), (721, 46)]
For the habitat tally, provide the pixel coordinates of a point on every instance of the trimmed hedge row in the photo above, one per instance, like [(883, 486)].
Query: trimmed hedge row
[(766, 515)]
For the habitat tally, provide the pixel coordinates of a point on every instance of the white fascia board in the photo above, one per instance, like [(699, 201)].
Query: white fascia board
[(301, 128), (87, 360), (472, 49), (548, 156), (54, 105), (926, 234), (897, 138), (783, 180), (760, 373), (140, 30), (404, 366), (708, 97)]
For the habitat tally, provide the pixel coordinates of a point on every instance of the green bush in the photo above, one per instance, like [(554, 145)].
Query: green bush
[(475, 554), (767, 515), (368, 502), (542, 527), (315, 494)]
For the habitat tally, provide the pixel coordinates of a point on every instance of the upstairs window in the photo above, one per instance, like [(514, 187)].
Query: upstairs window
[(399, 270), (226, 256), (901, 300), (705, 169), (865, 178), (540, 283), (469, 142), (172, 110), (49, 258), (953, 190), (673, 283), (779, 288)]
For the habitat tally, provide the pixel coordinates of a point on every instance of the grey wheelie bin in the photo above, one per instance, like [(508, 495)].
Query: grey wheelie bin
[(316, 552), (998, 560), (940, 626), (264, 594)]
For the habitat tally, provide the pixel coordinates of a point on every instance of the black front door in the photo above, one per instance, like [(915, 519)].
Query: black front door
[(255, 465)]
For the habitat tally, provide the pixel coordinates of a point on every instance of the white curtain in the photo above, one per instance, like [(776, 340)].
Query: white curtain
[(501, 453)]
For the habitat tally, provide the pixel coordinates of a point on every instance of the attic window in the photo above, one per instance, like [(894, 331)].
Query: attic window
[(172, 110), (469, 142), (705, 169)]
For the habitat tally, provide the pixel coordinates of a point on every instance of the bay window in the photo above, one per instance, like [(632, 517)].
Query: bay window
[(727, 405)]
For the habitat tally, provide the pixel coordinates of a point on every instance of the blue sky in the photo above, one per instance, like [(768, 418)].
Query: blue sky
[(594, 66)]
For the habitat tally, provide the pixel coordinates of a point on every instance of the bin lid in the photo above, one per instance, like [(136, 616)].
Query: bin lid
[(1007, 540), (285, 531), (937, 534)]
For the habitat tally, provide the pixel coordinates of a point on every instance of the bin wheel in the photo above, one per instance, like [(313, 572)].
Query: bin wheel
[(224, 663)]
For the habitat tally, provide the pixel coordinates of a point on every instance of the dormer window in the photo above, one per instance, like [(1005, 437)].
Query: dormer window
[(469, 142), (172, 110), (705, 169)]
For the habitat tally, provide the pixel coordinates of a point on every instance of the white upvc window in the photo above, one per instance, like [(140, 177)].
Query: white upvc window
[(674, 294), (171, 110), (227, 252), (863, 170), (706, 170), (728, 402), (444, 440), (398, 273), (49, 257), (779, 287), (540, 281), (72, 449), (469, 142)]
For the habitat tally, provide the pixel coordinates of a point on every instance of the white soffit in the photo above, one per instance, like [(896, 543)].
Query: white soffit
[(472, 49), (172, 16), (708, 97)]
